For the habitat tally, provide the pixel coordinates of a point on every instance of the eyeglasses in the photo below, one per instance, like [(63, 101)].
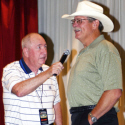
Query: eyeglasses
[(78, 21)]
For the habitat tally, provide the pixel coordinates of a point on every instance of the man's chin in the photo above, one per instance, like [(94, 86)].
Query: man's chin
[(77, 36), (41, 63)]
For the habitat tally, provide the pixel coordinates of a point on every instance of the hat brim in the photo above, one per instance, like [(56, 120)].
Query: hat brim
[(106, 22)]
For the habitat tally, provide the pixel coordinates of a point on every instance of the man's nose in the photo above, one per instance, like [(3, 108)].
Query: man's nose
[(75, 24)]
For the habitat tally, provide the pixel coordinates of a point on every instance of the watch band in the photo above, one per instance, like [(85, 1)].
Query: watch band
[(93, 118)]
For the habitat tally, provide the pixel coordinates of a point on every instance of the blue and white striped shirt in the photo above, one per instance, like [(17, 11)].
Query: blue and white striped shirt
[(25, 110)]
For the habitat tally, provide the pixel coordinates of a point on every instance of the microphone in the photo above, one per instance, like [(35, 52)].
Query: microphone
[(63, 58)]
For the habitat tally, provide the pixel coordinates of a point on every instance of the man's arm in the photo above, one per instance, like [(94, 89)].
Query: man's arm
[(58, 114), (27, 86), (106, 102)]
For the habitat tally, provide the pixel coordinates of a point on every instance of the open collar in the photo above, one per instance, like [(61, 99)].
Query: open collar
[(25, 67)]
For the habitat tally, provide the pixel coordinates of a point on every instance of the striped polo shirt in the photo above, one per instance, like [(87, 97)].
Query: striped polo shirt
[(25, 110)]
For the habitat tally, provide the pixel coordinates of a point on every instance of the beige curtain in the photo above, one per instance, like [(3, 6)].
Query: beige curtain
[(59, 37)]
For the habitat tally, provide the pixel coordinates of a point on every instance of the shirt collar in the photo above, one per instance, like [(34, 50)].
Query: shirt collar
[(94, 43), (25, 67)]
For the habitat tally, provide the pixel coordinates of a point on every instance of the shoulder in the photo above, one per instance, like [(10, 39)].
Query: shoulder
[(12, 65), (107, 47), (106, 51), (13, 68)]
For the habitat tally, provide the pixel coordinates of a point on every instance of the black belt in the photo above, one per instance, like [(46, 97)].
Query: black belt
[(51, 124), (81, 109)]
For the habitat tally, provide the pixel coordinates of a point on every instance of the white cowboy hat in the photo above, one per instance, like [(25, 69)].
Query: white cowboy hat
[(89, 9)]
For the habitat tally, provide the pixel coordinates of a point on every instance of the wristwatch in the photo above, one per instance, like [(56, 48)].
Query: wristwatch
[(94, 119)]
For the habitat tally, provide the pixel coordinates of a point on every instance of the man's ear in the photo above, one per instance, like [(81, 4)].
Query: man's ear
[(25, 52), (95, 24)]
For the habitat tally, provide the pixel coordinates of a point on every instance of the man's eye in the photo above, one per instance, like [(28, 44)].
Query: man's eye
[(38, 47), (78, 21)]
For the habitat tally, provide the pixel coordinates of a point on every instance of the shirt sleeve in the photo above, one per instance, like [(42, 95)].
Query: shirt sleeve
[(11, 76), (110, 70)]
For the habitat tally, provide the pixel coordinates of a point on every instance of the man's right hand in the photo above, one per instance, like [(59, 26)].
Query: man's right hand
[(55, 68)]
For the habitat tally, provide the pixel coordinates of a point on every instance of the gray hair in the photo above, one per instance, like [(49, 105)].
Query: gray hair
[(26, 41), (100, 24)]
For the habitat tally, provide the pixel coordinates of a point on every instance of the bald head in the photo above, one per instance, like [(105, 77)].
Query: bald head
[(29, 38), (34, 50)]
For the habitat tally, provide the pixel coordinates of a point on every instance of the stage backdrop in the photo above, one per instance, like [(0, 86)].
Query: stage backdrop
[(17, 18)]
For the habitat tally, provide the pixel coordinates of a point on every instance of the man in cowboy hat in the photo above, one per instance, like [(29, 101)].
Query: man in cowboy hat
[(95, 82)]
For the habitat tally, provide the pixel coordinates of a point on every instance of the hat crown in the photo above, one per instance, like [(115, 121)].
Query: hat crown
[(90, 9), (89, 6)]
